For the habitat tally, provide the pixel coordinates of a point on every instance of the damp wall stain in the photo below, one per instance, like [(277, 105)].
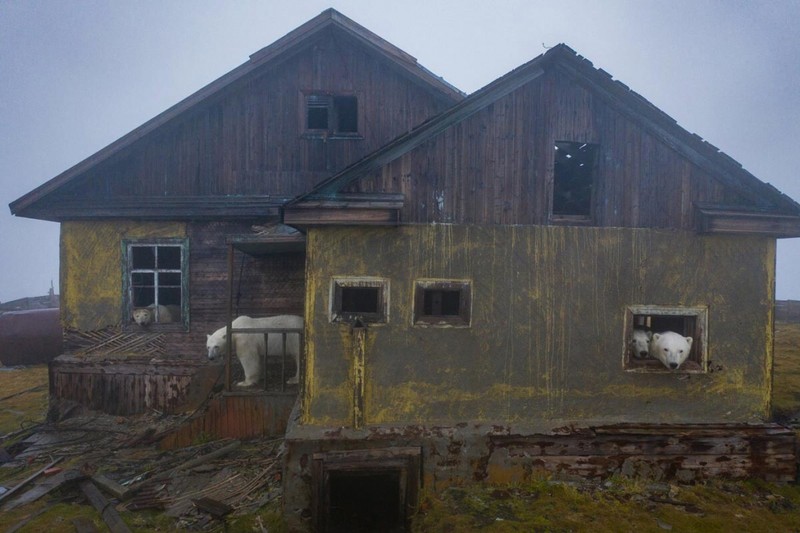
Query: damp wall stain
[(546, 334)]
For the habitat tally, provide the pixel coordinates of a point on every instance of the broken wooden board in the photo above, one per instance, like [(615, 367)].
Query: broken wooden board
[(110, 515), (46, 486)]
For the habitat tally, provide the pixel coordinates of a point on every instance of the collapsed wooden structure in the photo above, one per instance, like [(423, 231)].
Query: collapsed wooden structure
[(470, 270)]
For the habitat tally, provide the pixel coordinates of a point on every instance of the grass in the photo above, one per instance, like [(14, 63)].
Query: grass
[(540, 505), (786, 376), (618, 505), (23, 397)]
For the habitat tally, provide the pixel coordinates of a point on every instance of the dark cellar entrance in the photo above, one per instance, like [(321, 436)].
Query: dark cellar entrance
[(365, 490), (365, 501)]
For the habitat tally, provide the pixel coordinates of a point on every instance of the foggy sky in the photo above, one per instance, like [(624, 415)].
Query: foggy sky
[(75, 76)]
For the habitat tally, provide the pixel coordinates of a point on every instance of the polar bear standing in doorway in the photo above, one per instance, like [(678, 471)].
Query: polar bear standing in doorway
[(251, 349)]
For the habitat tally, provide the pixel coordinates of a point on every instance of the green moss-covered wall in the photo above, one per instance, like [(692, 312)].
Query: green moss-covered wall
[(91, 268), (546, 339)]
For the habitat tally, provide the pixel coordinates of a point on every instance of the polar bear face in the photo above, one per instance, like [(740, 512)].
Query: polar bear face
[(670, 348), (215, 344), (143, 316), (640, 343)]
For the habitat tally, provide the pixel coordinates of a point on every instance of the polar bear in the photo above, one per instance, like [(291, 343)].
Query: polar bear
[(250, 347), (640, 343), (670, 348), (144, 316)]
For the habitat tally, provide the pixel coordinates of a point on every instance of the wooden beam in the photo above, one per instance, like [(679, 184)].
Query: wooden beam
[(328, 216), (748, 223), (110, 515)]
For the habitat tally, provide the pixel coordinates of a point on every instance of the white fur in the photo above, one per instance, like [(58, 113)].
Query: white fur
[(670, 348), (144, 316), (640, 343), (250, 347)]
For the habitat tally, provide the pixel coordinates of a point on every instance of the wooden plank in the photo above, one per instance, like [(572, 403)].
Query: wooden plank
[(110, 516), (28, 479), (111, 486), (47, 486)]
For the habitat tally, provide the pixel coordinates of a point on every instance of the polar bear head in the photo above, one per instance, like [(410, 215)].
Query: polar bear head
[(670, 348), (216, 343), (143, 316), (640, 343)]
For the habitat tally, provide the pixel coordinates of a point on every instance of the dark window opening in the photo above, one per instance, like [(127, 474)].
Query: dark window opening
[(346, 108), (317, 118), (573, 179), (644, 323), (332, 115), (444, 303), (359, 299), (365, 501)]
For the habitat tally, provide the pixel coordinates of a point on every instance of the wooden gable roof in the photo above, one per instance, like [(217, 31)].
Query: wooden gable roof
[(35, 203), (759, 209)]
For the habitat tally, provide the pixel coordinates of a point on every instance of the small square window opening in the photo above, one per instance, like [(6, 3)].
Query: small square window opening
[(666, 339), (442, 303), (359, 299), (332, 114)]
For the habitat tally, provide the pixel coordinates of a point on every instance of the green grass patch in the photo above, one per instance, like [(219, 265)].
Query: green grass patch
[(23, 397)]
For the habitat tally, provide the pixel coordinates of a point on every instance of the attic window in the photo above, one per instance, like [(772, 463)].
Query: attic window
[(442, 303), (332, 114), (573, 180), (359, 299), (645, 322), (156, 282)]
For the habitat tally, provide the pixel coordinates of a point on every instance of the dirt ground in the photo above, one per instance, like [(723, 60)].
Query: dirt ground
[(226, 485)]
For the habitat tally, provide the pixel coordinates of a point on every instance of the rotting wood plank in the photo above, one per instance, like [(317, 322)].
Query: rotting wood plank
[(47, 486), (110, 515), (29, 479)]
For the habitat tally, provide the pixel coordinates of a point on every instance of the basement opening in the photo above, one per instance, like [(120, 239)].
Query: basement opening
[(365, 490), (365, 501), (644, 320)]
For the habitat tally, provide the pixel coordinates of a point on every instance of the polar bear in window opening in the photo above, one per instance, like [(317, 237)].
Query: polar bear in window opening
[(671, 348), (640, 343), (251, 349), (144, 316)]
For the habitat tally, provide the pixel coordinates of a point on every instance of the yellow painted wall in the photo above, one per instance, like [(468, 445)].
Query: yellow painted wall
[(91, 268), (546, 341)]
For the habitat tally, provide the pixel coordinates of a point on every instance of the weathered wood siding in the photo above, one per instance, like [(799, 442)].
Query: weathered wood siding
[(248, 139), (546, 341), (496, 167), (239, 416), (92, 271), (126, 387)]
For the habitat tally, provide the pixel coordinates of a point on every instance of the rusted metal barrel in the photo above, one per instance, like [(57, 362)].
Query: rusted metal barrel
[(30, 337)]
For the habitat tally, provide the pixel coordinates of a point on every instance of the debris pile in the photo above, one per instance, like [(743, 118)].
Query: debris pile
[(116, 465)]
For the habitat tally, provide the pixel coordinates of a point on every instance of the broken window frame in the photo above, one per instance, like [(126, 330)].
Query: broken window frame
[(648, 317), (130, 285), (424, 317), (338, 296), (342, 115), (562, 174)]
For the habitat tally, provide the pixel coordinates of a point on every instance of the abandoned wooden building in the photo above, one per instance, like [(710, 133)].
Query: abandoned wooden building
[(470, 269)]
